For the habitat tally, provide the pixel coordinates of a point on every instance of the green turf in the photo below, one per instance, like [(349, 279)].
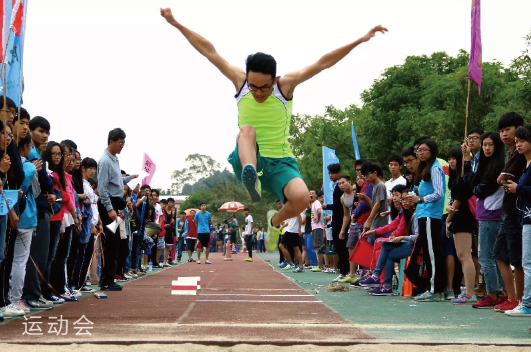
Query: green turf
[(402, 319)]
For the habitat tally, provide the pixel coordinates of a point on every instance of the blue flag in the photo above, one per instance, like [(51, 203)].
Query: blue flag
[(12, 199), (15, 23), (329, 157), (355, 143)]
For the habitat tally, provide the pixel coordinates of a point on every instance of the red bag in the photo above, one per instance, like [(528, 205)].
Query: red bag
[(362, 253)]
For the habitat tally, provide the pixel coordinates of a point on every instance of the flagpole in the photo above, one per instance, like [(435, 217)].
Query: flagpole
[(466, 125), (21, 67), (4, 109)]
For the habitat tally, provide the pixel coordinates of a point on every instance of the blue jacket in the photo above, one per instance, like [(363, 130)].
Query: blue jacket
[(524, 197), (28, 219)]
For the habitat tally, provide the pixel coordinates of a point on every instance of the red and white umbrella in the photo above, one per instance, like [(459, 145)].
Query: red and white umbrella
[(231, 207)]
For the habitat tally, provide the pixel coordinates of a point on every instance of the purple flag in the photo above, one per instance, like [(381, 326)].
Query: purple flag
[(475, 64)]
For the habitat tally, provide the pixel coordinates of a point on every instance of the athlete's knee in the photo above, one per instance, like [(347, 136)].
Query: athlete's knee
[(247, 132)]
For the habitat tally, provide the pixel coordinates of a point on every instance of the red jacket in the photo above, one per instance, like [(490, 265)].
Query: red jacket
[(397, 226), (192, 227)]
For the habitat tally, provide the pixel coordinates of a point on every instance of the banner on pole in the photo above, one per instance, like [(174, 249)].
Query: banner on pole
[(329, 157), (475, 64), (355, 142), (14, 20), (148, 166)]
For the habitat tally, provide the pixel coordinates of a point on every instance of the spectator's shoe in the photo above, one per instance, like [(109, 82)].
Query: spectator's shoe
[(112, 287), (356, 284), (39, 303), (519, 311), (326, 271), (128, 277), (371, 281), (132, 274), (251, 182), (13, 310), (23, 306), (464, 299), (190, 260), (382, 291), (509, 304), (166, 265), (119, 278), (68, 298), (76, 294), (347, 280), (340, 277), (56, 299), (208, 262), (289, 266), (298, 270), (449, 295), (87, 289), (249, 259), (428, 297), (316, 269), (1, 317), (283, 264), (198, 262), (175, 262), (309, 267), (486, 302), (332, 271)]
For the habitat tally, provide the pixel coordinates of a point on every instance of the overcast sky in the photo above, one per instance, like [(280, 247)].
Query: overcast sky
[(93, 65)]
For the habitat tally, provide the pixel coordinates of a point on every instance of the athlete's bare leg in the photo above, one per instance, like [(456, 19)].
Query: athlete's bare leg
[(297, 196), (247, 145)]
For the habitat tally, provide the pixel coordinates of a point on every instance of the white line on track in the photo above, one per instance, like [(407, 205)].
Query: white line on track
[(251, 301), (251, 295)]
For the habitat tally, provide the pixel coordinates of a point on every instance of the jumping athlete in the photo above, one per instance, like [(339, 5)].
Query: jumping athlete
[(264, 114)]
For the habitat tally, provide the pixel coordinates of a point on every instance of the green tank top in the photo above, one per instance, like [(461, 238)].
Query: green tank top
[(271, 120)]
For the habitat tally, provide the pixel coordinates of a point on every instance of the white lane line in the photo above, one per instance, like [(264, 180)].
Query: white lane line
[(251, 295), (186, 313), (252, 301)]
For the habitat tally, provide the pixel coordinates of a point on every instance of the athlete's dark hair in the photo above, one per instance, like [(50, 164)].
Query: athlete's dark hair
[(510, 119), (155, 191), (115, 135), (70, 143), (262, 63), (475, 130), (164, 201), (396, 158), (39, 121), (319, 194), (371, 167), (171, 200), (345, 177), (359, 162), (245, 209), (202, 203), (334, 168), (144, 187)]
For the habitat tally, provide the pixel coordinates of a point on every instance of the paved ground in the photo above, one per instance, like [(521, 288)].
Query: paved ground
[(239, 303), (400, 319)]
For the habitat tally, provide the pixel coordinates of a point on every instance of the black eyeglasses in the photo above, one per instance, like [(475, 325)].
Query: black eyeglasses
[(263, 89), (56, 155), (468, 139)]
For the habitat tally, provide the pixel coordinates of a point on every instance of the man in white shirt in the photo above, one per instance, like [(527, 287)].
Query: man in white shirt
[(248, 234), (395, 166), (292, 239)]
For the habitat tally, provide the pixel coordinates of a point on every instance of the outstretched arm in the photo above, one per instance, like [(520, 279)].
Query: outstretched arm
[(291, 80), (205, 48)]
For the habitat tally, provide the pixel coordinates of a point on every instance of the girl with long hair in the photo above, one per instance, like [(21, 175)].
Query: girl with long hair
[(430, 206), (461, 224), (489, 212)]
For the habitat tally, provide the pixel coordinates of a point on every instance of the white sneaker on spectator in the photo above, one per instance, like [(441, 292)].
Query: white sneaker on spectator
[(198, 262), (289, 266), (207, 262), (338, 278), (13, 309)]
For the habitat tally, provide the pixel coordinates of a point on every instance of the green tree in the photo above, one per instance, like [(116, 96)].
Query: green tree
[(197, 166)]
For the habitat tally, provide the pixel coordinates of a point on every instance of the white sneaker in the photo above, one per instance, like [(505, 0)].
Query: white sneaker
[(13, 309), (23, 306), (198, 262), (332, 271), (128, 277), (289, 266), (207, 262), (326, 270), (340, 277)]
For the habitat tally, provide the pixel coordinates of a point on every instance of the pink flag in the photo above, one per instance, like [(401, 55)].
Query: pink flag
[(148, 166), (475, 64)]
